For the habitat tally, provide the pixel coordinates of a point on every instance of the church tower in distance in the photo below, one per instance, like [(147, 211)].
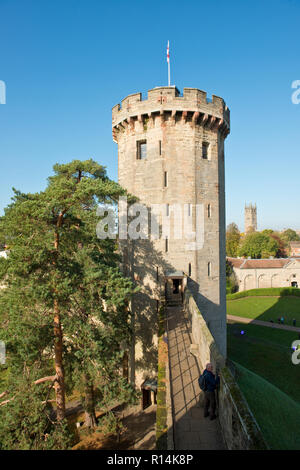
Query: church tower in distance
[(250, 218)]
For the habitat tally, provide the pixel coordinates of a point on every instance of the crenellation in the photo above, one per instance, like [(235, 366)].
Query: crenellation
[(167, 99), (115, 111), (130, 100), (162, 94), (193, 94)]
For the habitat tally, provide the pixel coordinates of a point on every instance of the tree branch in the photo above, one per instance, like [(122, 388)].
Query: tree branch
[(6, 401), (51, 378)]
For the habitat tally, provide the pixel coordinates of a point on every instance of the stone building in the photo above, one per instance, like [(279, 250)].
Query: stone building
[(250, 218), (294, 248), (171, 154), (258, 273)]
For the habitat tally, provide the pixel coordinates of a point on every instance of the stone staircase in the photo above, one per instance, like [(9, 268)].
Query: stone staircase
[(174, 300)]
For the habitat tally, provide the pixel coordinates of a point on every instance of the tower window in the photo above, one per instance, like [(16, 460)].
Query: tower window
[(157, 274), (159, 147), (167, 210), (205, 146), (208, 210), (166, 245), (141, 149), (165, 179), (209, 269), (190, 269), (189, 210)]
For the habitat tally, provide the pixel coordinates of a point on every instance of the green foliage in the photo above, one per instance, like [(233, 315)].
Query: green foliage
[(282, 251), (230, 286), (110, 424), (258, 245), (25, 421), (290, 235), (268, 291), (233, 237), (231, 281), (56, 259)]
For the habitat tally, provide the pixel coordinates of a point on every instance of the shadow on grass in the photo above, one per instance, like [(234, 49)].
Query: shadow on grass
[(276, 413), (267, 309), (267, 352)]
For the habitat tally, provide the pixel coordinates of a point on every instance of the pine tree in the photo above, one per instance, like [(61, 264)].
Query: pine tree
[(65, 296)]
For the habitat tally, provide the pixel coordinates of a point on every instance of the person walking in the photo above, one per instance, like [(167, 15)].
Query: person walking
[(211, 383)]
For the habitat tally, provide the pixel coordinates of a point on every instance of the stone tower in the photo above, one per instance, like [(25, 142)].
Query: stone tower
[(250, 218), (171, 152)]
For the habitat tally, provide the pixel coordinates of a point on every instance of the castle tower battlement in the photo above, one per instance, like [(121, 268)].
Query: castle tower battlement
[(171, 151), (193, 106)]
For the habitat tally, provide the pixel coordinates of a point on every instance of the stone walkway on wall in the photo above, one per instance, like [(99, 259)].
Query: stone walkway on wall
[(191, 430)]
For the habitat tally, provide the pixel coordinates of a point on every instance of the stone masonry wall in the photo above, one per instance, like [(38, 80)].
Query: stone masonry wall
[(176, 129), (268, 277), (239, 428)]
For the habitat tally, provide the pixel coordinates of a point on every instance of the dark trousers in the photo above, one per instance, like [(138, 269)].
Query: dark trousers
[(209, 402)]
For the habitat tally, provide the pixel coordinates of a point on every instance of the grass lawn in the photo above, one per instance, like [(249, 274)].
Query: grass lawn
[(275, 412), (266, 352), (266, 308)]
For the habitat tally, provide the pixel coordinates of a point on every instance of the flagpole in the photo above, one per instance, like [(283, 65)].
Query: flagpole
[(168, 60)]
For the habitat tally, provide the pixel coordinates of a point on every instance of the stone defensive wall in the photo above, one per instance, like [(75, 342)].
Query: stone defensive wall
[(239, 428), (166, 102)]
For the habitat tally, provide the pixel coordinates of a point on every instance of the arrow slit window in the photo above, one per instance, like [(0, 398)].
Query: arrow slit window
[(205, 147), (141, 149)]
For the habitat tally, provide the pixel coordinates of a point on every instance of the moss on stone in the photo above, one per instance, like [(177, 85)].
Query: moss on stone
[(161, 397), (161, 411)]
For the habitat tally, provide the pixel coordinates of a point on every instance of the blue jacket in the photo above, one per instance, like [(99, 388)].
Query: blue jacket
[(211, 381)]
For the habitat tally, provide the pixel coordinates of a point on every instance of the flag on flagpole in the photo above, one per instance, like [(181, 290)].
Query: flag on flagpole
[(168, 53)]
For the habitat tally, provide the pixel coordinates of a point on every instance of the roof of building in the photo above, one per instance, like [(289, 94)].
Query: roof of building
[(261, 263), (265, 263), (236, 262), (174, 274)]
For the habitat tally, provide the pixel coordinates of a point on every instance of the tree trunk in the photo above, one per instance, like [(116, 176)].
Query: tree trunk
[(59, 384), (90, 415), (125, 366)]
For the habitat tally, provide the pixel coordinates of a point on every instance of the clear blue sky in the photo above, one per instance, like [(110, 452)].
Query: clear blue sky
[(67, 62)]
